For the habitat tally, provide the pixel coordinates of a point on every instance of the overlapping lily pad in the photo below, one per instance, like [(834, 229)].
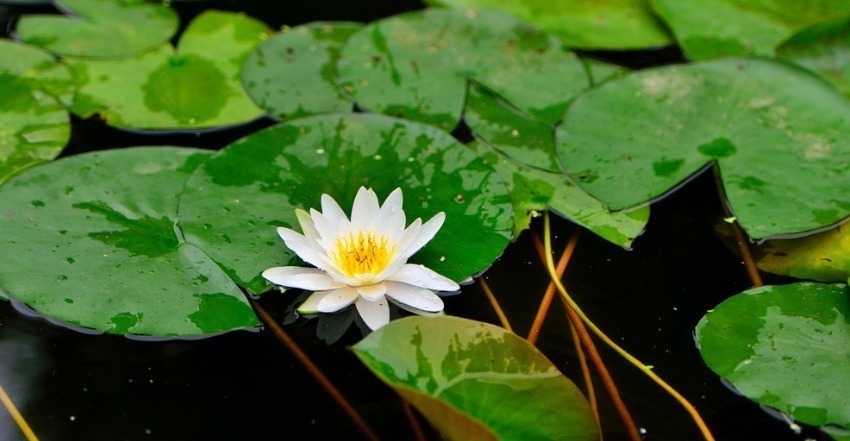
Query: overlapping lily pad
[(824, 257), (787, 347), (34, 125), (777, 133), (586, 24), (196, 86), (521, 143), (473, 380), (417, 65), (824, 48), (233, 203), (293, 74), (722, 28), (92, 240), (100, 28)]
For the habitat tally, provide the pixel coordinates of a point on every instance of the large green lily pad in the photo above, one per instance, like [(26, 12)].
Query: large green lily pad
[(100, 28), (473, 380), (787, 347), (722, 28), (233, 203), (777, 133), (823, 48), (92, 240), (34, 125), (417, 65), (196, 86), (293, 74), (514, 143), (824, 257), (586, 24)]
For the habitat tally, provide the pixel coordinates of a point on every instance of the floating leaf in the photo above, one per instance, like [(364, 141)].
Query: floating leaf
[(473, 380), (34, 125), (197, 86), (722, 28), (787, 347), (824, 257), (92, 240), (784, 171), (600, 71), (100, 28), (824, 48), (233, 203), (607, 24), (527, 142), (417, 65), (294, 74)]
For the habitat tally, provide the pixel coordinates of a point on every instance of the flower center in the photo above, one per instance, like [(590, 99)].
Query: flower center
[(363, 253)]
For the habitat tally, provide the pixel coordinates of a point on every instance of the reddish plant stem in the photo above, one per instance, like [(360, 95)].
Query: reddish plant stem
[(543, 310), (495, 303)]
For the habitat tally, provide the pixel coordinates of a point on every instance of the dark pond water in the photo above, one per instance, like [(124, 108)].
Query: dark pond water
[(243, 385)]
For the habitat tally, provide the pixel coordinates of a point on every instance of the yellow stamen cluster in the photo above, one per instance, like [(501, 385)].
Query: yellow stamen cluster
[(363, 253)]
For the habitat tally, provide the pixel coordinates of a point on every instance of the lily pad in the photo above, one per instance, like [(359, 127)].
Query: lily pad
[(293, 74), (823, 48), (600, 71), (513, 143), (787, 347), (473, 380), (92, 240), (233, 203), (100, 28), (196, 86), (824, 257), (34, 125), (722, 28), (417, 65), (783, 170), (586, 24)]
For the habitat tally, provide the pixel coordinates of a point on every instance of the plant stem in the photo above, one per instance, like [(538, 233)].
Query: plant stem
[(496, 307), (706, 433), (16, 415), (746, 255), (320, 377), (585, 372), (584, 336), (543, 310)]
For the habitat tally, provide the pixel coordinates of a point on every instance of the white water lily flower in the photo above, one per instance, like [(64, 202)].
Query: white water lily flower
[(362, 260)]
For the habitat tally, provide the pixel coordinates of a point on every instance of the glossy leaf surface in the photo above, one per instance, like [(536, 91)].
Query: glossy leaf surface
[(825, 49), (824, 257), (294, 73), (476, 381), (100, 28), (787, 347), (92, 240), (417, 65), (233, 203), (586, 24), (196, 86), (777, 133)]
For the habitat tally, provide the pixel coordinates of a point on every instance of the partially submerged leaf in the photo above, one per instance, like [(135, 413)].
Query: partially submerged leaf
[(233, 203), (823, 48), (787, 347), (100, 28), (92, 240), (475, 381), (824, 257), (783, 170), (722, 28), (196, 86), (586, 24), (417, 65), (293, 74)]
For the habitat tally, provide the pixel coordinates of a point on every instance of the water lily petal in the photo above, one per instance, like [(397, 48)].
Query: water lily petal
[(372, 293), (407, 236), (312, 279), (423, 277), (374, 314), (337, 299), (415, 297), (331, 210), (429, 229), (307, 249), (306, 223), (390, 217), (311, 305), (328, 231), (364, 209)]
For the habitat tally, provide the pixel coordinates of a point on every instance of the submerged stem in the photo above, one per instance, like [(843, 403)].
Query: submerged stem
[(16, 415), (706, 433), (747, 256), (543, 310), (496, 307)]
